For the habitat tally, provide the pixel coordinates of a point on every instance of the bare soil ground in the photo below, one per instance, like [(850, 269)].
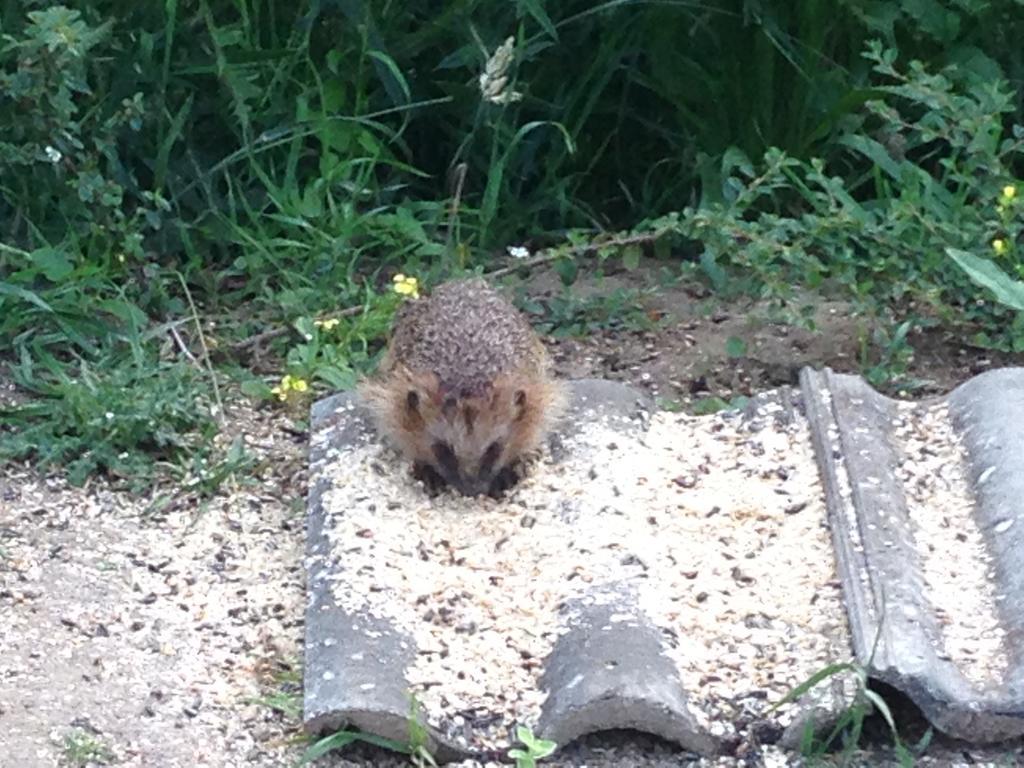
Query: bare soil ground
[(166, 632), (684, 355)]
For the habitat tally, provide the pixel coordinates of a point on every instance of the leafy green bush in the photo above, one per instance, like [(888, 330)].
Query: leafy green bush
[(235, 166), (928, 166)]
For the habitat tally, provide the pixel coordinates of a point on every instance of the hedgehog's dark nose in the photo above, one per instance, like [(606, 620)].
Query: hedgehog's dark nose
[(473, 486)]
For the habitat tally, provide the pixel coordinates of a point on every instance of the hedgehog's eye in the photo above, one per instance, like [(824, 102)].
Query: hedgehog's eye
[(445, 457), (490, 457), (412, 400), (448, 406)]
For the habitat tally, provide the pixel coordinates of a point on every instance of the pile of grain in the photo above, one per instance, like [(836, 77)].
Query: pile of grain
[(716, 527)]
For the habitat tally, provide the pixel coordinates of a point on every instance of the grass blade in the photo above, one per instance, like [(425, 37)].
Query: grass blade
[(822, 674), (25, 295)]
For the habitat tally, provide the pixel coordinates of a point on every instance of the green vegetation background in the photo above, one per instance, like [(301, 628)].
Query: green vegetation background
[(178, 178)]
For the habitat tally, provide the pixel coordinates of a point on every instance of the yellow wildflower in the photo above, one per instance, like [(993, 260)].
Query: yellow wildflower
[(1009, 192), (407, 286), (328, 325), (288, 384), (999, 246)]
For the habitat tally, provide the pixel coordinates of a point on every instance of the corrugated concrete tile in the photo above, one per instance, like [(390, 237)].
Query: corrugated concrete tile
[(611, 670), (926, 506), (607, 672), (609, 664)]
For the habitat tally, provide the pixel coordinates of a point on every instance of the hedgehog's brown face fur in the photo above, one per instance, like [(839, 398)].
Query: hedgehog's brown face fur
[(470, 439)]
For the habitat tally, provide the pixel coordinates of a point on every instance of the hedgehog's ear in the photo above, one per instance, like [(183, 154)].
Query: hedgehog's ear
[(519, 401)]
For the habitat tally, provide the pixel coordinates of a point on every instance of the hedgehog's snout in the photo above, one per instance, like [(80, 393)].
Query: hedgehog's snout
[(470, 475)]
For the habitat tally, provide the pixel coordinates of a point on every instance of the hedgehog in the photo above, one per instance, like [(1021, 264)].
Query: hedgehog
[(465, 389)]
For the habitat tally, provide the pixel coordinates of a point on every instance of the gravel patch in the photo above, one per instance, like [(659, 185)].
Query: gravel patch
[(956, 565), (154, 634)]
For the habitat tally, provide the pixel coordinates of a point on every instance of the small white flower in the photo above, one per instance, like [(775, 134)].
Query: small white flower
[(109, 415), (53, 155), (518, 251)]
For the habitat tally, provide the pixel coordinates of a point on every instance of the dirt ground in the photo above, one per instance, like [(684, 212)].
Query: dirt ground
[(684, 356), (170, 634)]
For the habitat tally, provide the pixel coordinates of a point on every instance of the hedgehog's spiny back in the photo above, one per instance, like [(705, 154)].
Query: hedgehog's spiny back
[(467, 334), (465, 389)]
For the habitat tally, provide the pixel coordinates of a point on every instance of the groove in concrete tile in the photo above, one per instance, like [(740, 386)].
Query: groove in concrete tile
[(897, 631), (988, 412)]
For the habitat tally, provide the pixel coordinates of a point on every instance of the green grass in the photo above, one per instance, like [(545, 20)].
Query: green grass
[(567, 314), (111, 415), (529, 752), (842, 740), (416, 746), (532, 751), (80, 749), (285, 692)]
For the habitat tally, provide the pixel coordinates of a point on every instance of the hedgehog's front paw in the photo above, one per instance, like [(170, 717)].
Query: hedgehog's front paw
[(430, 477)]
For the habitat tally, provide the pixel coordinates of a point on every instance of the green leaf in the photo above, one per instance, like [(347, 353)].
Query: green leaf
[(708, 405), (124, 311), (256, 388), (876, 153), (631, 257), (567, 270), (342, 739), (735, 158), (396, 73), (336, 377), (496, 173), (24, 295), (879, 703), (306, 328), (536, 10), (1008, 292), (543, 748), (174, 133), (54, 264), (325, 745), (709, 263), (735, 347)]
